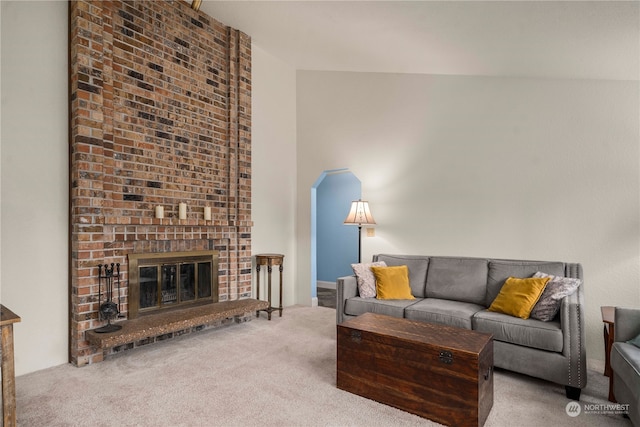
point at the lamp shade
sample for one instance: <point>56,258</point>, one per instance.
<point>359,214</point>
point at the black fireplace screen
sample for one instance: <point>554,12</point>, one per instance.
<point>166,280</point>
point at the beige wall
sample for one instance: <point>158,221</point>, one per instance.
<point>274,165</point>
<point>34,196</point>
<point>479,166</point>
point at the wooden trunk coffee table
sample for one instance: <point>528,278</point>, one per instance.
<point>438,372</point>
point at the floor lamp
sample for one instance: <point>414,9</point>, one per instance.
<point>359,215</point>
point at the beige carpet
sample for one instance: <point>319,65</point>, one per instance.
<point>277,373</point>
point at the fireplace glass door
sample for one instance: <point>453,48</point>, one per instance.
<point>148,287</point>
<point>204,277</point>
<point>178,283</point>
<point>163,281</point>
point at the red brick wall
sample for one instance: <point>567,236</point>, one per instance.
<point>160,114</point>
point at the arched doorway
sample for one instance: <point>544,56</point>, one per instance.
<point>334,246</point>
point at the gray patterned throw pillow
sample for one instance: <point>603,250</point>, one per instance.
<point>549,303</point>
<point>366,279</point>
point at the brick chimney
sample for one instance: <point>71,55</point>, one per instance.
<point>160,109</point>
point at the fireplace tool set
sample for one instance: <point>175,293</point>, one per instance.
<point>108,309</point>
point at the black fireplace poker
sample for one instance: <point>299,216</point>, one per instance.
<point>108,309</point>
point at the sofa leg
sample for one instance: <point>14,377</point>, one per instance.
<point>573,393</point>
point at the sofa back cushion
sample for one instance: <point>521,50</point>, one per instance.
<point>457,279</point>
<point>501,270</point>
<point>417,265</point>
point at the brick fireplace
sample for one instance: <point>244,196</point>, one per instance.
<point>160,114</point>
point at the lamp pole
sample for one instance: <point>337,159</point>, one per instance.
<point>359,243</point>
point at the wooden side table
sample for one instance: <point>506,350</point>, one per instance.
<point>608,317</point>
<point>7,319</point>
<point>269,260</point>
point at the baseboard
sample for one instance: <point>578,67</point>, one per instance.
<point>326,285</point>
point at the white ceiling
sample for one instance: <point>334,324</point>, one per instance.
<point>554,39</point>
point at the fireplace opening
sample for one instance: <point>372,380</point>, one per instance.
<point>162,281</point>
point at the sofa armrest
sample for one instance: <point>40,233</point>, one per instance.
<point>572,320</point>
<point>346,287</point>
<point>627,323</point>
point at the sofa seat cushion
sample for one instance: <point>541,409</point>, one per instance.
<point>417,265</point>
<point>529,332</point>
<point>391,307</point>
<point>625,361</point>
<point>457,279</point>
<point>435,310</point>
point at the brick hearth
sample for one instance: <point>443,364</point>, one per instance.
<point>160,114</point>
<point>146,329</point>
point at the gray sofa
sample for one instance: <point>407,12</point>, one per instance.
<point>625,361</point>
<point>457,292</point>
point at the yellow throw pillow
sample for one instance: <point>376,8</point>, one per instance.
<point>392,282</point>
<point>518,296</point>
